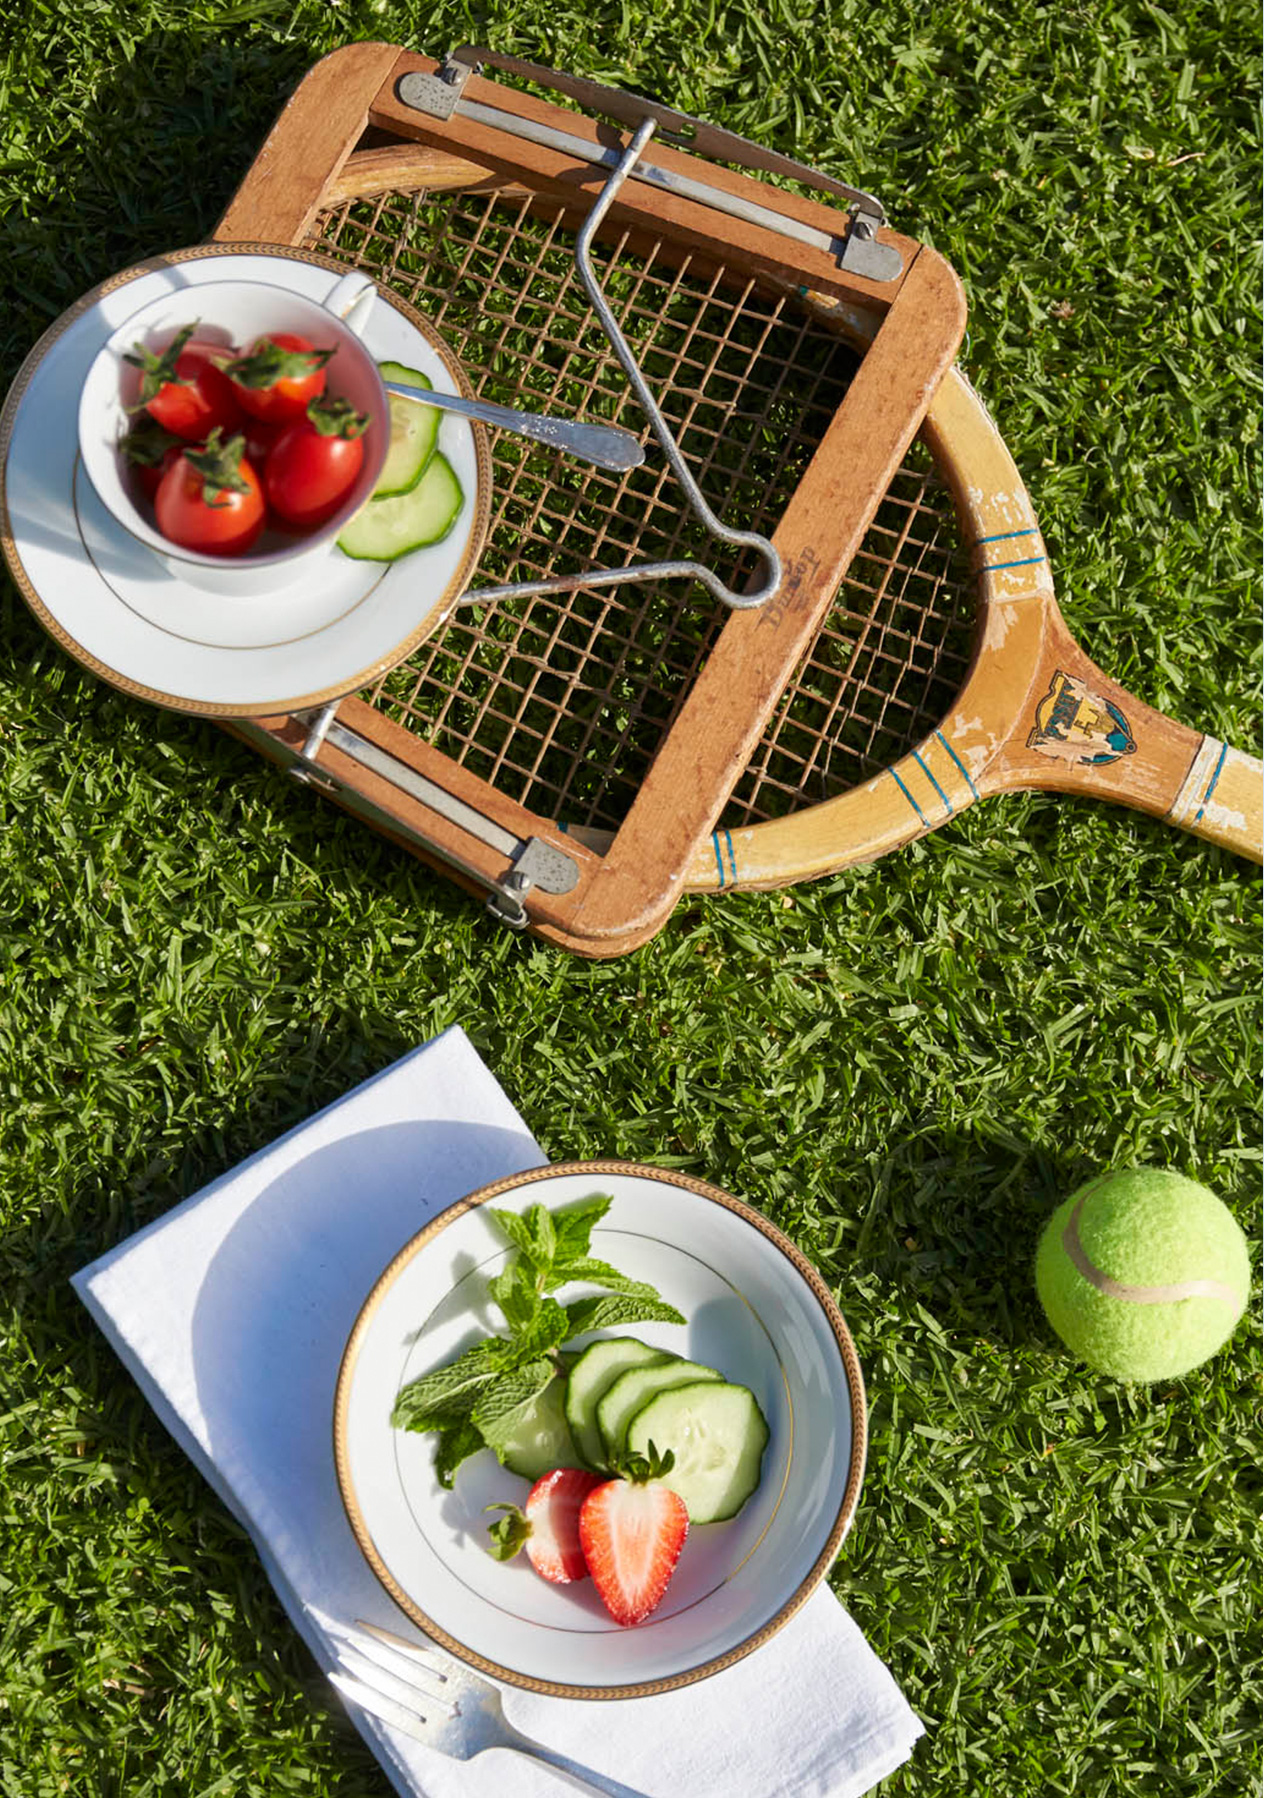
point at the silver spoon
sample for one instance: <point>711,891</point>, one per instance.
<point>608,446</point>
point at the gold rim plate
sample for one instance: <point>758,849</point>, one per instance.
<point>104,598</point>
<point>755,1308</point>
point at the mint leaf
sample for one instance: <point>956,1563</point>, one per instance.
<point>500,1412</point>
<point>457,1442</point>
<point>600,1273</point>
<point>574,1226</point>
<point>516,1228</point>
<point>543,1235</point>
<point>422,1419</point>
<point>487,1396</point>
<point>451,1391</point>
<point>514,1291</point>
<point>603,1313</point>
<point>532,1234</point>
<point>547,1330</point>
<point>508,1394</point>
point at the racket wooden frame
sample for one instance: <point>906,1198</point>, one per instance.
<point>1004,733</point>
<point>1034,712</point>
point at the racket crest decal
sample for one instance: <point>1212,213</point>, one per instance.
<point>1074,724</point>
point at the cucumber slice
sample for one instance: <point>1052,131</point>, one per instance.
<point>535,1438</point>
<point>591,1377</point>
<point>717,1433</point>
<point>621,1402</point>
<point>414,434</point>
<point>385,529</point>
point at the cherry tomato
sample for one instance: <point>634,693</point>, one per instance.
<point>150,479</point>
<point>279,376</point>
<point>259,440</point>
<point>315,463</point>
<point>210,499</point>
<point>150,451</point>
<point>184,389</point>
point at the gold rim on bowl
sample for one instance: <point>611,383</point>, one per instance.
<point>847,1353</point>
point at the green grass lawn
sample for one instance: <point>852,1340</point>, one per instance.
<point>904,1066</point>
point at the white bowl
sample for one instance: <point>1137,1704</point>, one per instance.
<point>234,312</point>
<point>756,1309</point>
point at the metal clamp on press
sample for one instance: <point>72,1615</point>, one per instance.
<point>441,95</point>
<point>533,863</point>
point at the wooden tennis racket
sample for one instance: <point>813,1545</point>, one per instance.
<point>1032,710</point>
<point>588,756</point>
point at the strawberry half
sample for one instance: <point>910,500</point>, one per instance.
<point>548,1525</point>
<point>632,1530</point>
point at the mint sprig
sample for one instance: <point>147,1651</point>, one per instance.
<point>471,1402</point>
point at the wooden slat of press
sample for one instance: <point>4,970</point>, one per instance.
<point>387,167</point>
<point>756,653</point>
<point>315,133</point>
<point>726,711</point>
<point>751,247</point>
<point>410,167</point>
<point>727,708</point>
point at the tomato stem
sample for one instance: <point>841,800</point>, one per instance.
<point>219,465</point>
<point>158,370</point>
<point>336,417</point>
<point>267,363</point>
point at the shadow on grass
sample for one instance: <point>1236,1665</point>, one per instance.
<point>146,160</point>
<point>951,1225</point>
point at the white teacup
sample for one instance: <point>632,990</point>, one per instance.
<point>235,313</point>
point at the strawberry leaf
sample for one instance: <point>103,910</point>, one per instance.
<point>638,1470</point>
<point>509,1533</point>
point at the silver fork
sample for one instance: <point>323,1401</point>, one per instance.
<point>434,1698</point>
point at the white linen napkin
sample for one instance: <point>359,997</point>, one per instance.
<point>232,1312</point>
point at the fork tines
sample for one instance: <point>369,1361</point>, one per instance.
<point>395,1668</point>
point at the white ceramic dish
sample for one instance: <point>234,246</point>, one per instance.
<point>105,597</point>
<point>756,1309</point>
<point>234,313</point>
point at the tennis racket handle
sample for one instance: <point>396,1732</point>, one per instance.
<point>1222,799</point>
<point>1080,732</point>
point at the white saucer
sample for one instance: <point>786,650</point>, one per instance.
<point>114,607</point>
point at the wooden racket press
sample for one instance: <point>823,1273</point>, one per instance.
<point>569,753</point>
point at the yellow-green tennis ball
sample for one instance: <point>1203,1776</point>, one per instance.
<point>1143,1274</point>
